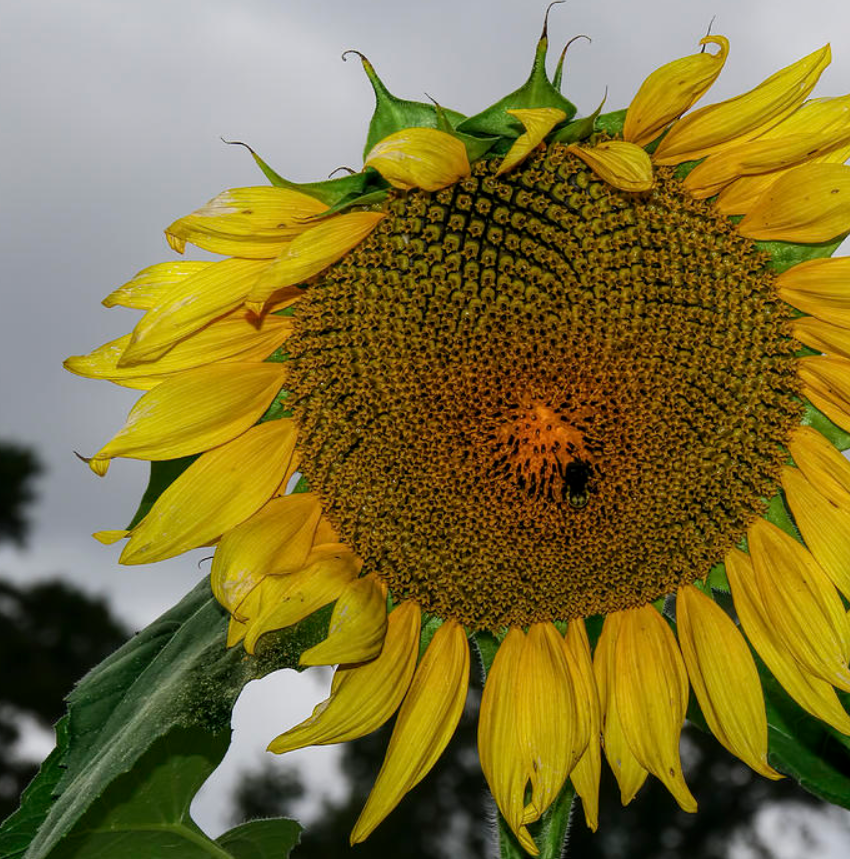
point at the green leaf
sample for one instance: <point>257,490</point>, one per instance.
<point>163,474</point>
<point>784,255</point>
<point>175,674</point>
<point>262,839</point>
<point>394,114</point>
<point>537,91</point>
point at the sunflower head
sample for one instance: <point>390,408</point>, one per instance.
<point>530,370</point>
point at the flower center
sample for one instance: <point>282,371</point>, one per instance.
<point>532,397</point>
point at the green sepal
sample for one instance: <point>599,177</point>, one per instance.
<point>611,123</point>
<point>395,114</point>
<point>329,191</point>
<point>537,91</point>
<point>549,833</point>
<point>777,514</point>
<point>163,474</point>
<point>557,78</point>
<point>717,579</point>
<point>816,419</point>
<point>476,147</point>
<point>579,129</point>
<point>430,624</point>
<point>369,199</point>
<point>785,255</point>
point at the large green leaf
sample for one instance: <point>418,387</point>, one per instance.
<point>177,673</point>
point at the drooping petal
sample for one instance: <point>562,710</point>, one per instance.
<point>825,468</point>
<point>810,203</point>
<point>312,252</point>
<point>279,534</point>
<point>287,599</point>
<point>547,723</point>
<point>236,628</point>
<point>357,628</point>
<point>108,537</point>
<point>629,773</point>
<point>502,759</point>
<point>254,223</point>
<point>651,687</point>
<point>585,776</point>
<point>820,287</point>
<point>744,117</point>
<point>724,678</point>
<point>538,122</point>
<point>801,603</point>
<point>424,158</point>
<point>622,165</point>
<point>363,696</point>
<point>239,336</point>
<point>426,721</point>
<point>148,287</point>
<point>217,492</point>
<point>671,90</point>
<point>825,526</point>
<point>191,304</point>
<point>814,695</point>
<point>826,382</point>
<point>194,411</point>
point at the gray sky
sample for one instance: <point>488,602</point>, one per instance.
<point>111,120</point>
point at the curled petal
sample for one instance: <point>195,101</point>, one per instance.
<point>801,603</point>
<point>363,696</point>
<point>651,687</point>
<point>419,158</point>
<point>276,539</point>
<point>107,538</point>
<point>148,287</point>
<point>808,204</point>
<point>426,721</point>
<point>671,90</point>
<point>357,628</point>
<point>814,695</point>
<point>744,117</point>
<point>502,759</point>
<point>622,165</point>
<point>217,492</point>
<point>724,678</point>
<point>538,122</point>
<point>254,223</point>
<point>825,468</point>
<point>312,252</point>
<point>224,400</point>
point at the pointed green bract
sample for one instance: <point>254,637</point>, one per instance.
<point>815,418</point>
<point>611,123</point>
<point>579,129</point>
<point>785,255</point>
<point>476,147</point>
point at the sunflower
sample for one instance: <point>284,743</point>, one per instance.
<point>556,384</point>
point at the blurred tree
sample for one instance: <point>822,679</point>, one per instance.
<point>51,633</point>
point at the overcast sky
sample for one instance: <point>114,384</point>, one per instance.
<point>111,117</point>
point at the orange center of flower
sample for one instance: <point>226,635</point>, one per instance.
<point>532,396</point>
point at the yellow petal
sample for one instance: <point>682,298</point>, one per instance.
<point>826,382</point>
<point>254,223</point>
<point>629,773</point>
<point>363,696</point>
<point>238,336</point>
<point>502,759</point>
<point>744,117</point>
<point>585,775</point>
<point>814,695</point>
<point>195,411</point>
<point>279,533</point>
<point>724,678</point>
<point>538,122</point>
<point>312,252</point>
<point>149,286</point>
<point>426,721</point>
<point>810,203</point>
<point>823,465</point>
<point>822,336</point>
<point>217,492</point>
<point>801,603</point>
<point>820,287</point>
<point>357,628</point>
<point>419,158</point>
<point>191,304</point>
<point>550,735</point>
<point>824,525</point>
<point>288,599</point>
<point>651,687</point>
<point>110,537</point>
<point>620,164</point>
<point>236,628</point>
<point>671,90</point>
